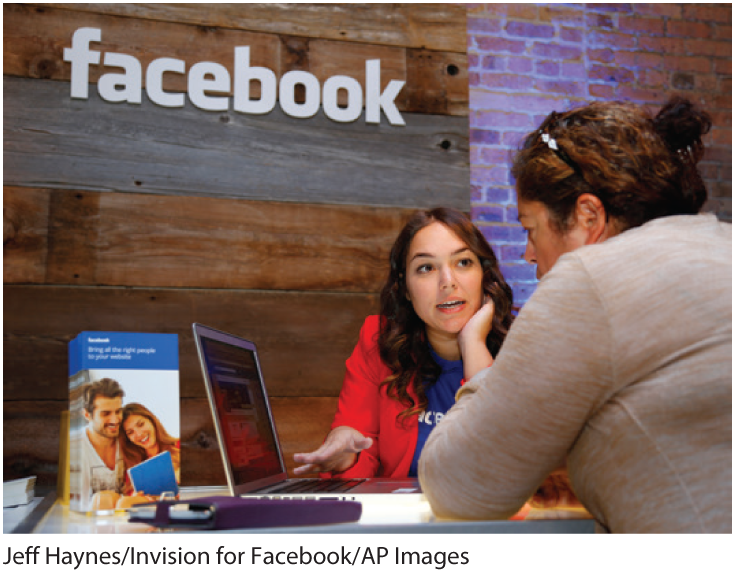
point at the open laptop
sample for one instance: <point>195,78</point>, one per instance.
<point>247,437</point>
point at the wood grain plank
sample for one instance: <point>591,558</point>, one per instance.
<point>31,437</point>
<point>431,26</point>
<point>34,45</point>
<point>435,83</point>
<point>74,233</point>
<point>53,141</point>
<point>25,230</point>
<point>303,338</point>
<point>140,240</point>
<point>34,40</point>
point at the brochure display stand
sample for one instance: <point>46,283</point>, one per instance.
<point>124,410</point>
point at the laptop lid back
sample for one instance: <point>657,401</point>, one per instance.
<point>241,412</point>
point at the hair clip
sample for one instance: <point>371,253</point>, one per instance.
<point>550,141</point>
<point>554,146</point>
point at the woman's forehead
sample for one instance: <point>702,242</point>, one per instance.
<point>435,236</point>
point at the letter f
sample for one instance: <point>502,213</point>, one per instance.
<point>80,57</point>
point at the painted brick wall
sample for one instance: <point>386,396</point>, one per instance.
<point>526,60</point>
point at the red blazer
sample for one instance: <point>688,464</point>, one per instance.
<point>365,406</point>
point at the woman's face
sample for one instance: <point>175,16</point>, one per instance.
<point>444,281</point>
<point>140,431</point>
<point>544,243</point>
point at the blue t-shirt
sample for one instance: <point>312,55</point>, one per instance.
<point>441,398</point>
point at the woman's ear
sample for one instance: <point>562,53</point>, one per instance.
<point>591,218</point>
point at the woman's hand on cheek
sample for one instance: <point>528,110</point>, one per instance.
<point>478,326</point>
<point>472,340</point>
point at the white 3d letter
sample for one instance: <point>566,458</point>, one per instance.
<point>374,100</point>
<point>154,82</point>
<point>288,102</point>
<point>354,99</point>
<point>243,75</point>
<point>199,84</point>
<point>131,81</point>
<point>80,57</point>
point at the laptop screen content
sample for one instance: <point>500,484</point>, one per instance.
<point>242,411</point>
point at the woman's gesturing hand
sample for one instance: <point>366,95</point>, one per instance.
<point>338,452</point>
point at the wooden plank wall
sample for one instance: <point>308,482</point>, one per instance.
<point>144,218</point>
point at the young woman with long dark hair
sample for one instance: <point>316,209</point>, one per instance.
<point>444,312</point>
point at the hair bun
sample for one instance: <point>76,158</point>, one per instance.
<point>680,124</point>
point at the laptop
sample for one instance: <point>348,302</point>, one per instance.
<point>246,433</point>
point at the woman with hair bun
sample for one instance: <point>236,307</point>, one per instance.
<point>619,367</point>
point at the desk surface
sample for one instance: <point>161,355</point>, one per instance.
<point>409,515</point>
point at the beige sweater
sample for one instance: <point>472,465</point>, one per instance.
<point>620,364</point>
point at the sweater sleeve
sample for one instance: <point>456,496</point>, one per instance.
<point>514,423</point>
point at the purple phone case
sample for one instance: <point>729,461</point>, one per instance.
<point>241,513</point>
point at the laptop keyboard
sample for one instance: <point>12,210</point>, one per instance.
<point>317,486</point>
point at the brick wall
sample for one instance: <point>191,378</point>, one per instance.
<point>526,60</point>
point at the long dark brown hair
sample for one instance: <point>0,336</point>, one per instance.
<point>402,340</point>
<point>640,166</point>
<point>132,454</point>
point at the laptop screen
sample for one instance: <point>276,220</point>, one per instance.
<point>241,409</point>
